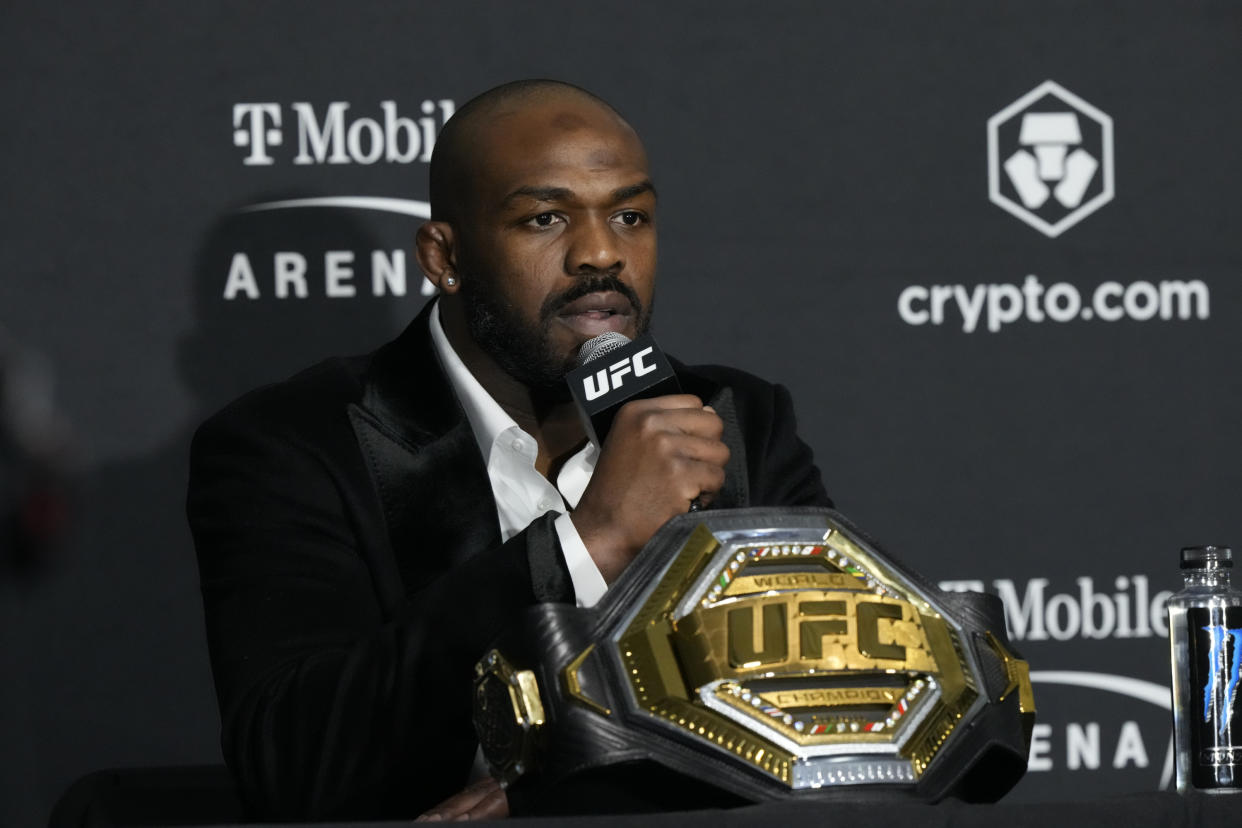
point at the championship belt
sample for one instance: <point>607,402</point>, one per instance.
<point>774,653</point>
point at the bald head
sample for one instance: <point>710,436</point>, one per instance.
<point>462,145</point>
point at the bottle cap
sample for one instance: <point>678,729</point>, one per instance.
<point>1206,557</point>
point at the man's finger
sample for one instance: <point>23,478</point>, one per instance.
<point>686,420</point>
<point>667,401</point>
<point>493,806</point>
<point>703,449</point>
<point>462,802</point>
<point>700,478</point>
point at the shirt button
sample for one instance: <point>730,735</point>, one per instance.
<point>518,445</point>
<point>545,504</point>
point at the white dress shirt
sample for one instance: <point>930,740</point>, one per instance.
<point>523,494</point>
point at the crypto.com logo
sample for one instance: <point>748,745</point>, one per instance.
<point>1057,167</point>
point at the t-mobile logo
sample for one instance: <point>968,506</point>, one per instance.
<point>1058,158</point>
<point>339,134</point>
<point>256,126</point>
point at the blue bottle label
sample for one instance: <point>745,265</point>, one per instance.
<point>1215,707</point>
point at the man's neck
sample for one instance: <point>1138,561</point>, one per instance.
<point>552,419</point>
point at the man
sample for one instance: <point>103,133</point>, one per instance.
<point>366,528</point>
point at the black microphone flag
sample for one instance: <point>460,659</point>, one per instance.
<point>614,370</point>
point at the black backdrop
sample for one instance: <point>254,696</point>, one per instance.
<point>827,220</point>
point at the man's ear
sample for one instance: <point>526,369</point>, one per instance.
<point>435,247</point>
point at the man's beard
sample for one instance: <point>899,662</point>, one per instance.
<point>526,352</point>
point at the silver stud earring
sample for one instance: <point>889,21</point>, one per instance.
<point>450,281</point>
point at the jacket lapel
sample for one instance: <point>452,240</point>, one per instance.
<point>423,458</point>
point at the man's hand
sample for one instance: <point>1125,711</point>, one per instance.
<point>484,799</point>
<point>660,455</point>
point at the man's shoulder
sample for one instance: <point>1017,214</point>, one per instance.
<point>310,402</point>
<point>724,375</point>
<point>707,380</point>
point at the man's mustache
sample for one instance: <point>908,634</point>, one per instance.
<point>597,284</point>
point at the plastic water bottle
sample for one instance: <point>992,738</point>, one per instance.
<point>1205,639</point>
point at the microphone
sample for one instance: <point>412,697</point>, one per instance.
<point>612,370</point>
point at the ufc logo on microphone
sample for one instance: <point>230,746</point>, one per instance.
<point>611,378</point>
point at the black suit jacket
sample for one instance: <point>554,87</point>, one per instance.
<point>352,571</point>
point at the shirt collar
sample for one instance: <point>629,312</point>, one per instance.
<point>487,419</point>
